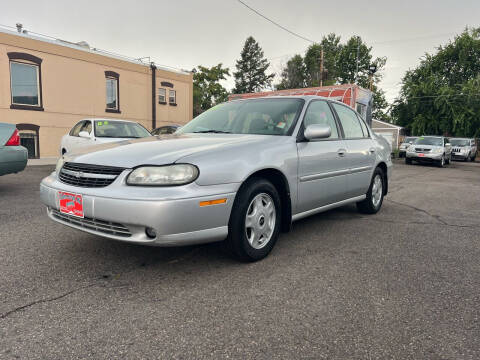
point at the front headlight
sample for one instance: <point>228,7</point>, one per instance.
<point>60,163</point>
<point>177,174</point>
<point>438,151</point>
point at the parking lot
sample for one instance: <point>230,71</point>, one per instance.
<point>402,284</point>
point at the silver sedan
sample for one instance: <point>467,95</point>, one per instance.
<point>241,172</point>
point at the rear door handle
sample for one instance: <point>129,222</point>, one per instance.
<point>341,152</point>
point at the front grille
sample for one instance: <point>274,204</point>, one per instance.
<point>101,226</point>
<point>87,175</point>
<point>456,150</point>
<point>422,150</point>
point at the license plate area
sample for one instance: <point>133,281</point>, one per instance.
<point>70,204</point>
<point>421,154</point>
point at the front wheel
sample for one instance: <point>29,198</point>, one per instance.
<point>254,224</point>
<point>373,201</point>
<point>408,161</point>
<point>441,163</point>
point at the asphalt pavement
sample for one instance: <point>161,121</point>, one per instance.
<point>402,284</point>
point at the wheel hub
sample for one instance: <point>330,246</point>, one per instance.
<point>260,220</point>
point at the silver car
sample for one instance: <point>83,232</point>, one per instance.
<point>13,156</point>
<point>241,172</point>
<point>430,149</point>
<point>463,149</point>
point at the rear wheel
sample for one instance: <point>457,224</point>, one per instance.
<point>373,201</point>
<point>254,224</point>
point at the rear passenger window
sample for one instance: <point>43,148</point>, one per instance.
<point>350,123</point>
<point>319,112</point>
<point>364,127</point>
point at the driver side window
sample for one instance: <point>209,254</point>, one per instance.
<point>319,112</point>
<point>76,129</point>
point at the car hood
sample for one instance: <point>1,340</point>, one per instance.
<point>159,150</point>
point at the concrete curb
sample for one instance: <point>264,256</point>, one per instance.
<point>42,161</point>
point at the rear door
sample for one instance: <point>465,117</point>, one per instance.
<point>322,166</point>
<point>360,150</point>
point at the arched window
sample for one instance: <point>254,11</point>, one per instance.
<point>25,81</point>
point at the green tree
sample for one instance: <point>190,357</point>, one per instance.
<point>350,70</point>
<point>442,95</point>
<point>331,50</point>
<point>251,74</point>
<point>294,74</point>
<point>207,90</point>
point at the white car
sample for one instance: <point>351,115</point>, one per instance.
<point>88,132</point>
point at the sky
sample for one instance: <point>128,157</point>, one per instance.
<point>188,33</point>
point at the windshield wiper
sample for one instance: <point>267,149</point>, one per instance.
<point>212,131</point>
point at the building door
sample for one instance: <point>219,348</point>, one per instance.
<point>29,141</point>
<point>29,138</point>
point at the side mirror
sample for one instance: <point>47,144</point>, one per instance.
<point>317,131</point>
<point>84,134</point>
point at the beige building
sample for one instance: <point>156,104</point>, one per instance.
<point>48,85</point>
<point>391,132</point>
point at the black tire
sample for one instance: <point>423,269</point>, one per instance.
<point>441,163</point>
<point>237,243</point>
<point>368,206</point>
<point>408,161</point>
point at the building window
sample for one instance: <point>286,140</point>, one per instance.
<point>162,96</point>
<point>113,92</point>
<point>25,81</point>
<point>172,97</point>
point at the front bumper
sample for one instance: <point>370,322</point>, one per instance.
<point>459,156</point>
<point>123,212</point>
<point>427,157</point>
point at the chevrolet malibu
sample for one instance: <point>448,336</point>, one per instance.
<point>240,172</point>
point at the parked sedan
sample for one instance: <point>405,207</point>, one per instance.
<point>13,157</point>
<point>463,149</point>
<point>240,172</point>
<point>164,130</point>
<point>430,149</point>
<point>407,141</point>
<point>90,132</point>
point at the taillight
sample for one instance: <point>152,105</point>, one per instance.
<point>14,139</point>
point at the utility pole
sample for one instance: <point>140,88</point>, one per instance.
<point>358,55</point>
<point>321,66</point>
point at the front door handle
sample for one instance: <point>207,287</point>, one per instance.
<point>341,152</point>
<point>372,150</point>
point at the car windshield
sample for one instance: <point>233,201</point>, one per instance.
<point>119,129</point>
<point>256,116</point>
<point>460,142</point>
<point>435,141</point>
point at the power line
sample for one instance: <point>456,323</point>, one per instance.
<point>275,23</point>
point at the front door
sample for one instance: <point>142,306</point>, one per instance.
<point>322,164</point>
<point>360,150</point>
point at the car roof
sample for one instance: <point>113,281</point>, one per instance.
<point>107,119</point>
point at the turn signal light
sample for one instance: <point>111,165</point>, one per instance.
<point>14,139</point>
<point>213,202</point>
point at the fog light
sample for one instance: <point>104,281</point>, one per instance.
<point>151,233</point>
